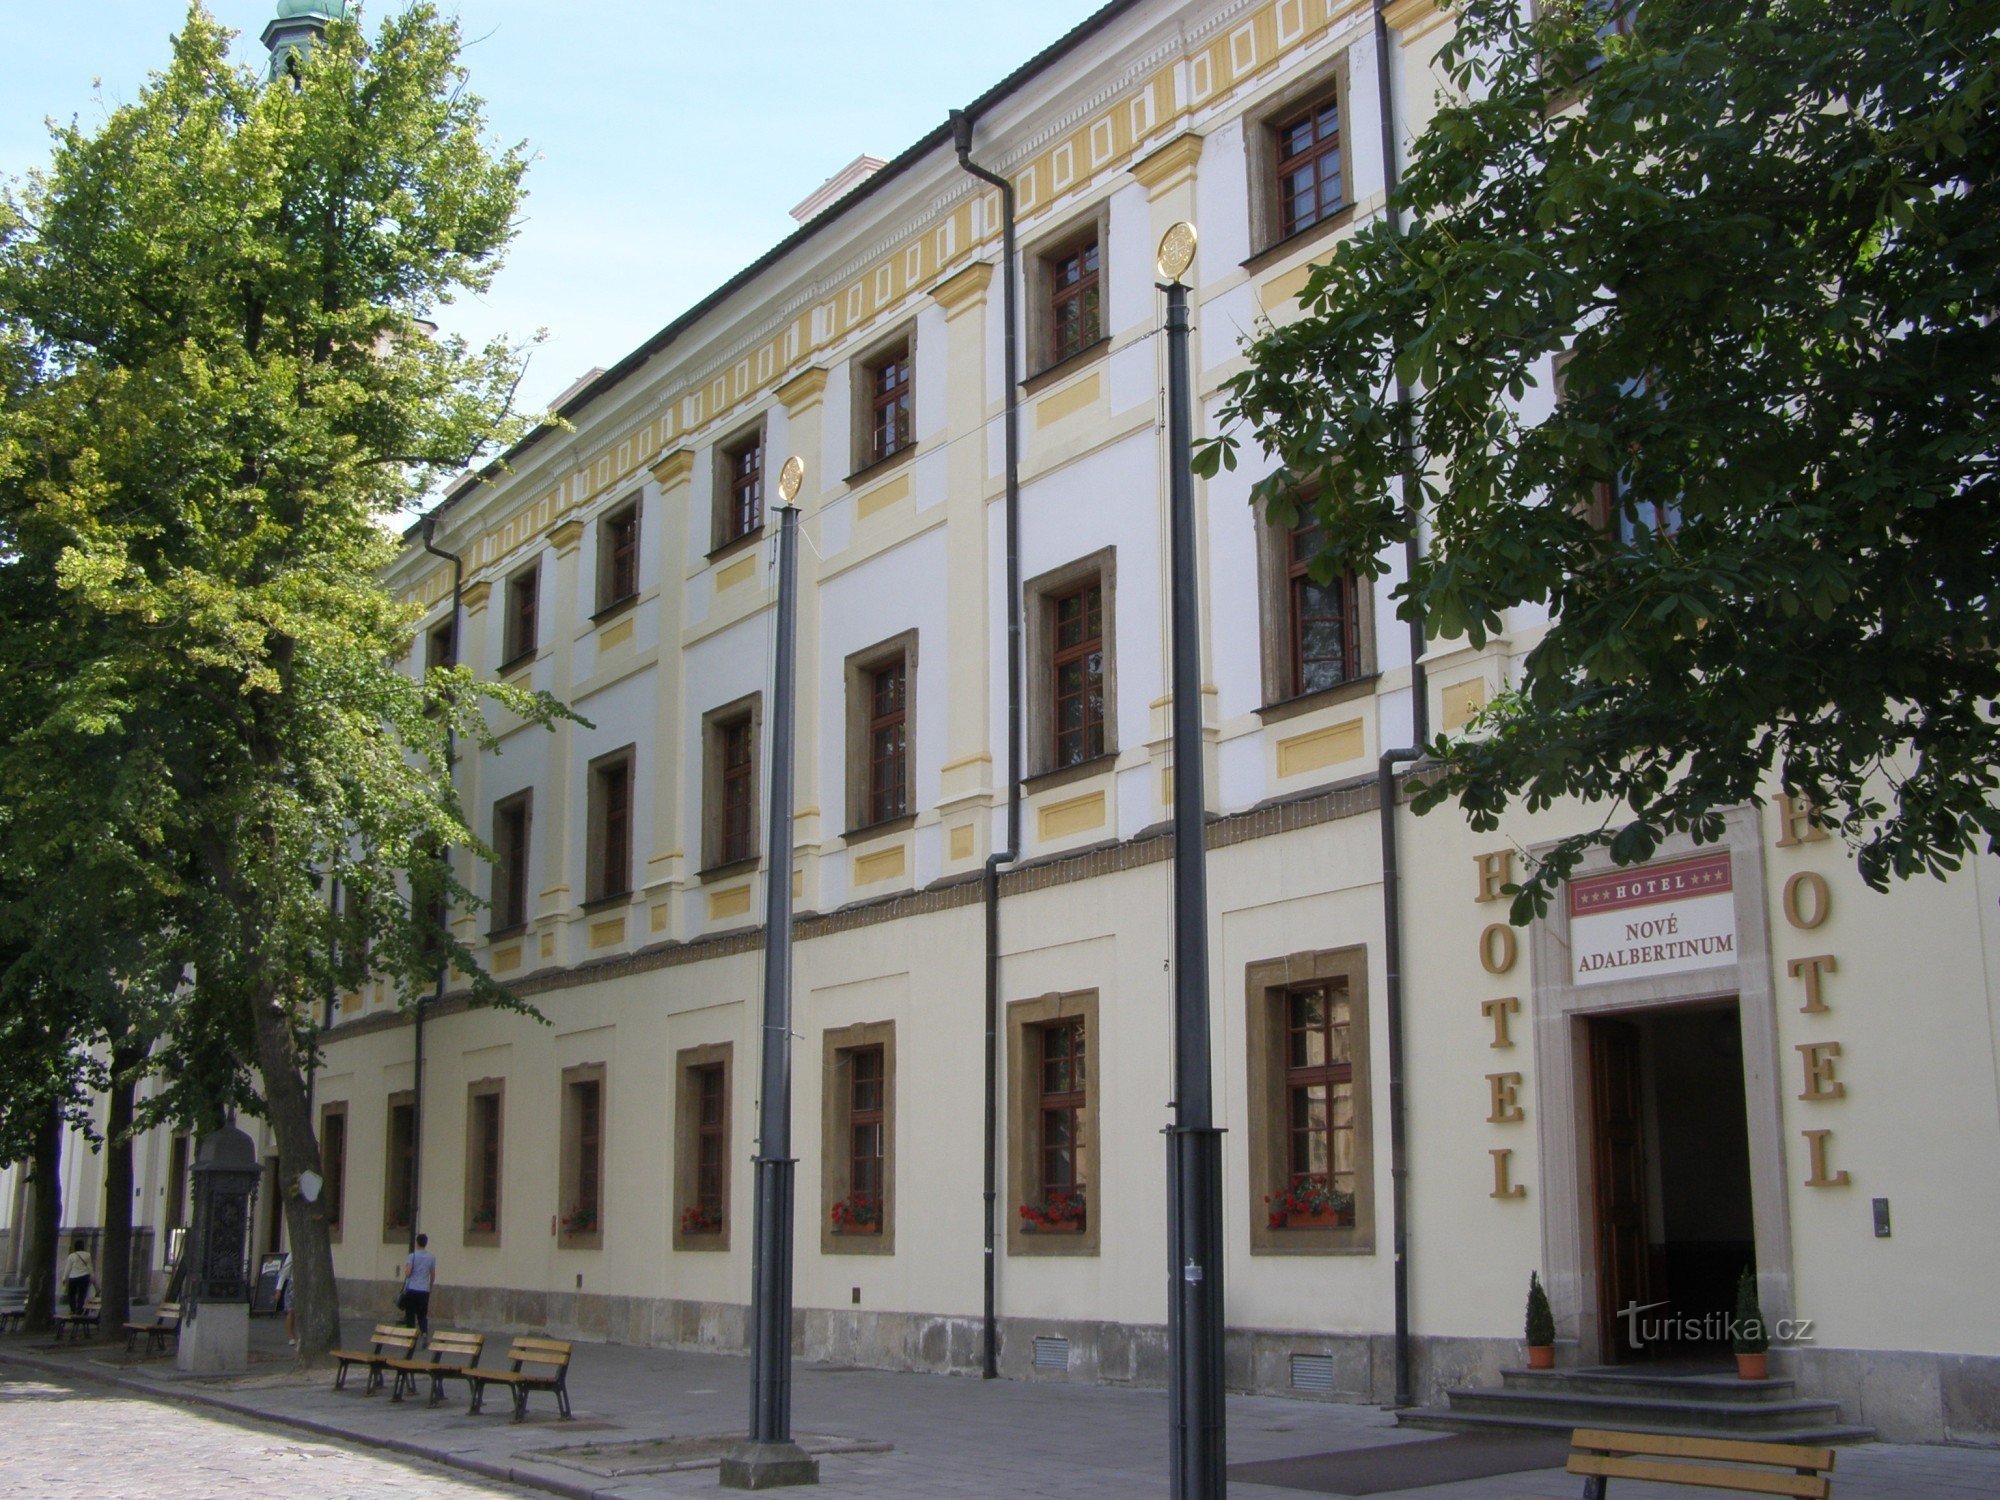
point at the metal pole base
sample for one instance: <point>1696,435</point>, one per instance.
<point>1200,1438</point>
<point>751,1465</point>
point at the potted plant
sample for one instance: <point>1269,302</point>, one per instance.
<point>1309,1202</point>
<point>697,1219</point>
<point>1747,1334</point>
<point>858,1213</point>
<point>485,1220</point>
<point>1062,1213</point>
<point>580,1220</point>
<point>1541,1326</point>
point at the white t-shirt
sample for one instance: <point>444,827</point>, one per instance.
<point>77,1265</point>
<point>423,1266</point>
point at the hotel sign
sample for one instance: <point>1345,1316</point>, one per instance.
<point>1661,919</point>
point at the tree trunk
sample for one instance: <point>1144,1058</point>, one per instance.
<point>318,1301</point>
<point>46,1174</point>
<point>114,1255</point>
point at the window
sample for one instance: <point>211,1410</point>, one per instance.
<point>1611,508</point>
<point>609,875</point>
<point>618,557</point>
<point>1076,630</point>
<point>580,1217</point>
<point>883,403</point>
<point>482,1162</point>
<point>1071,684</point>
<point>729,784</point>
<point>739,507</point>
<point>400,1168</point>
<point>1076,319</point>
<point>880,732</point>
<point>333,1165</point>
<point>511,820</point>
<point>701,1148</point>
<point>858,1129</point>
<point>1317,636</point>
<point>1311,1177</point>
<point>1053,1135</point>
<point>1300,176</point>
<point>523,601</point>
<point>430,898</point>
<point>441,646</point>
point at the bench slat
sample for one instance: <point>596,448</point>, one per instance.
<point>1727,1450</point>
<point>1666,1471</point>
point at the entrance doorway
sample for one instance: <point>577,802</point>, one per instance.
<point>1670,1158</point>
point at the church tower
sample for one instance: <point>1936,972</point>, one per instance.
<point>298,24</point>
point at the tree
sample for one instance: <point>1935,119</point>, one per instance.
<point>1761,510</point>
<point>224,387</point>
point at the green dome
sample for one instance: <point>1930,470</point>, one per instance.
<point>325,10</point>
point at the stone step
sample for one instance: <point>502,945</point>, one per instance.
<point>1581,1409</point>
<point>1445,1419</point>
<point>1717,1387</point>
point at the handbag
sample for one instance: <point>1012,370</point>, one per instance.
<point>403,1300</point>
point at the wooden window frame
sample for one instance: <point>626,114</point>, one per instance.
<point>523,627</point>
<point>397,1231</point>
<point>899,347</point>
<point>618,541</point>
<point>513,844</point>
<point>1041,655</point>
<point>1268,986</point>
<point>1047,360</point>
<point>606,878</point>
<point>482,1151</point>
<point>1078,745</point>
<point>863,815</point>
<point>738,493</point>
<point>717,858</point>
<point>689,1062</point>
<point>1278,582</point>
<point>574,1177</point>
<point>1026,1021</point>
<point>1269,232</point>
<point>333,1168</point>
<point>838,1048</point>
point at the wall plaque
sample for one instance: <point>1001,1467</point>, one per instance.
<point>1657,919</point>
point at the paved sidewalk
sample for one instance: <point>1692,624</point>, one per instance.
<point>950,1437</point>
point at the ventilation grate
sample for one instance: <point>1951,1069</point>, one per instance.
<point>1312,1372</point>
<point>1052,1353</point>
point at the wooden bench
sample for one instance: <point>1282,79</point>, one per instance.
<point>551,1355</point>
<point>1745,1468</point>
<point>166,1325</point>
<point>445,1346</point>
<point>75,1325</point>
<point>389,1341</point>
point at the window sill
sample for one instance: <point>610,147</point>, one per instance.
<point>883,829</point>
<point>882,465</point>
<point>1083,770</point>
<point>1271,254</point>
<point>516,662</point>
<point>482,1239</point>
<point>702,1239</point>
<point>614,609</point>
<point>724,871</point>
<point>1305,703</point>
<point>1069,364</point>
<point>395,1234</point>
<point>736,544</point>
<point>605,903</point>
<point>592,1241</point>
<point>501,934</point>
<point>1311,1241</point>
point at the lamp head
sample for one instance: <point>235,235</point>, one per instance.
<point>1176,252</point>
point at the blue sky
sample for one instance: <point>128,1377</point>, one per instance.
<point>672,137</point>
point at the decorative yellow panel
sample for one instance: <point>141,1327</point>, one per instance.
<point>1068,401</point>
<point>1461,700</point>
<point>882,497</point>
<point>607,933</point>
<point>961,841</point>
<point>733,902</point>
<point>615,634</point>
<point>548,945</point>
<point>507,958</point>
<point>1321,748</point>
<point>1058,820</point>
<point>744,568</point>
<point>882,864</point>
<point>662,913</point>
<point>1285,286</point>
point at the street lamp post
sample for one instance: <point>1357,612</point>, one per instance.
<point>769,1458</point>
<point>1194,1144</point>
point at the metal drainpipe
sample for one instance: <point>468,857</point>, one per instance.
<point>961,129</point>
<point>444,963</point>
<point>1385,782</point>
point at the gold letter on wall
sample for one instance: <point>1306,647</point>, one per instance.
<point>1498,1011</point>
<point>1503,1170</point>
<point>1820,1082</point>
<point>1506,1099</point>
<point>1495,870</point>
<point>1816,1152</point>
<point>1496,948</point>
<point>1796,824</point>
<point>1810,970</point>
<point>1820,897</point>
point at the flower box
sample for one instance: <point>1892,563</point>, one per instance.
<point>857,1213</point>
<point>1310,1202</point>
<point>1063,1213</point>
<point>699,1220</point>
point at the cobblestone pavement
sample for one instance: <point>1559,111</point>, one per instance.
<point>65,1437</point>
<point>952,1438</point>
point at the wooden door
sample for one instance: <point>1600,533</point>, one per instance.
<point>1619,1160</point>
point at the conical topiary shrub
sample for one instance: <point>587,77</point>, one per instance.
<point>1541,1326</point>
<point>1747,1335</point>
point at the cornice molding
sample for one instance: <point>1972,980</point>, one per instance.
<point>1170,166</point>
<point>963,288</point>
